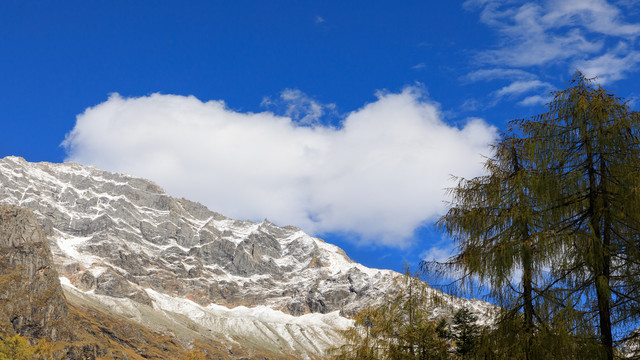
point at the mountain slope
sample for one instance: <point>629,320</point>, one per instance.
<point>121,243</point>
<point>33,305</point>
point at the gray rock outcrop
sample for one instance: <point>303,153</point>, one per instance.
<point>117,235</point>
<point>31,300</point>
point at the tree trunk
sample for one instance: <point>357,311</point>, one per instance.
<point>604,279</point>
<point>527,287</point>
<point>601,267</point>
<point>527,271</point>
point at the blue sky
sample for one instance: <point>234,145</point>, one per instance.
<point>345,118</point>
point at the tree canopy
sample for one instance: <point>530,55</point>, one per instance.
<point>552,229</point>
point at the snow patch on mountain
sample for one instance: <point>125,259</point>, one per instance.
<point>309,335</point>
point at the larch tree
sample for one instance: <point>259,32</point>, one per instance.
<point>560,207</point>
<point>492,219</point>
<point>400,327</point>
<point>587,150</point>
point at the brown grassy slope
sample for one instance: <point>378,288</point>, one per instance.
<point>121,336</point>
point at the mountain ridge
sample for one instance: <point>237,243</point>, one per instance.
<point>124,243</point>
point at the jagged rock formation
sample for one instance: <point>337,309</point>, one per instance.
<point>117,235</point>
<point>31,300</point>
<point>32,304</point>
<point>121,243</point>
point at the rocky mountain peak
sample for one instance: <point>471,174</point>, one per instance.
<point>117,235</point>
<point>124,243</point>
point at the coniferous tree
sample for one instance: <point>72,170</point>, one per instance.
<point>586,151</point>
<point>442,329</point>
<point>560,205</point>
<point>466,333</point>
<point>493,219</point>
<point>16,347</point>
<point>398,328</point>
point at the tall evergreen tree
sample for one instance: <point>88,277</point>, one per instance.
<point>466,333</point>
<point>586,152</point>
<point>561,205</point>
<point>493,219</point>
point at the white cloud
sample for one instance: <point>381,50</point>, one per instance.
<point>530,39</point>
<point>596,37</point>
<point>535,100</point>
<point>471,105</point>
<point>595,15</point>
<point>438,253</point>
<point>499,73</point>
<point>534,34</point>
<point>419,66</point>
<point>298,106</point>
<point>522,87</point>
<point>379,176</point>
<point>611,66</point>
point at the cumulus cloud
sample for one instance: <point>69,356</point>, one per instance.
<point>379,176</point>
<point>300,107</point>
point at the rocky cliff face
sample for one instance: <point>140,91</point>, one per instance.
<point>31,300</point>
<point>124,244</point>
<point>32,304</point>
<point>117,235</point>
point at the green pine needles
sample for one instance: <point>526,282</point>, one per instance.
<point>553,229</point>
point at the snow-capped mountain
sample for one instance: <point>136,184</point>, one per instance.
<point>123,244</point>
